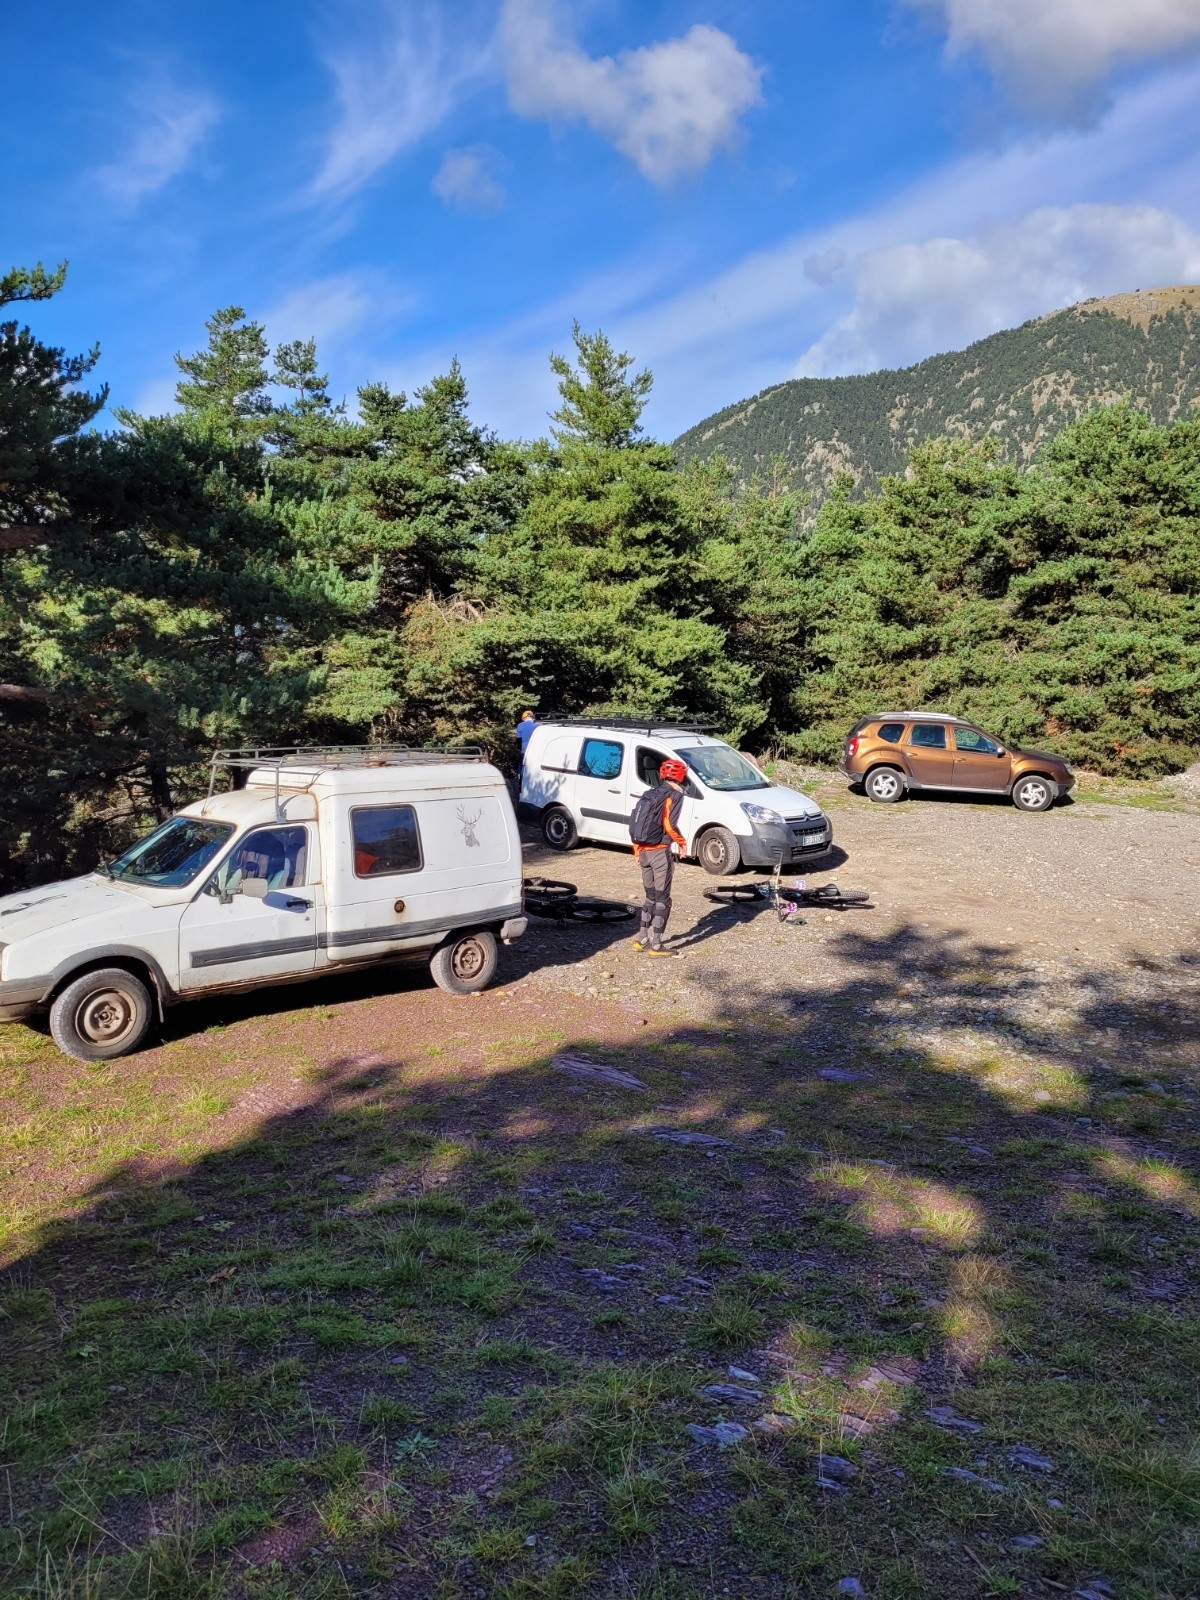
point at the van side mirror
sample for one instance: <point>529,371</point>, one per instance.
<point>255,888</point>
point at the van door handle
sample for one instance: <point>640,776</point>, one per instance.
<point>298,905</point>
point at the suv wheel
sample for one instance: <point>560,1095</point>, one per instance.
<point>558,829</point>
<point>718,852</point>
<point>1033,793</point>
<point>884,785</point>
<point>465,965</point>
<point>101,1015</point>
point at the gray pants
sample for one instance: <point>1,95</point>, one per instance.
<point>658,869</point>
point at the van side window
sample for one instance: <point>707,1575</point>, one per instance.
<point>277,855</point>
<point>601,758</point>
<point>648,763</point>
<point>893,732</point>
<point>385,840</point>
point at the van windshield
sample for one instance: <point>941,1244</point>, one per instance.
<point>718,767</point>
<point>172,855</point>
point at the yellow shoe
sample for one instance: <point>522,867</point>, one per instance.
<point>657,950</point>
<point>639,945</point>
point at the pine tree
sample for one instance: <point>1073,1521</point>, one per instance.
<point>600,405</point>
<point>296,369</point>
<point>228,379</point>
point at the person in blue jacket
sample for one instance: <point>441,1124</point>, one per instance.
<point>525,729</point>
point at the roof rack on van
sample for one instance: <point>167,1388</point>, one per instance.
<point>331,757</point>
<point>681,724</point>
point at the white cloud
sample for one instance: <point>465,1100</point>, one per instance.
<point>668,106</point>
<point>168,126</point>
<point>341,312</point>
<point>914,299</point>
<point>467,181</point>
<point>398,79</point>
<point>1050,53</point>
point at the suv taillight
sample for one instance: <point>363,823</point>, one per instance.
<point>851,747</point>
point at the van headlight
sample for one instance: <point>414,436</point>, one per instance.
<point>763,816</point>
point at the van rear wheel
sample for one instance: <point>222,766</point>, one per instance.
<point>101,1015</point>
<point>465,965</point>
<point>558,828</point>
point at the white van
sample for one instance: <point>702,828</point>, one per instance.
<point>324,860</point>
<point>582,781</point>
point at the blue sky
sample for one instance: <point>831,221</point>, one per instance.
<point>737,192</point>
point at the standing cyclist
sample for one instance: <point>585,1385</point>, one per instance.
<point>654,829</point>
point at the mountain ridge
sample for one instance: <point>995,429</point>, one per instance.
<point>1021,385</point>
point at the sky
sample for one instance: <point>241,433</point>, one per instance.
<point>737,191</point>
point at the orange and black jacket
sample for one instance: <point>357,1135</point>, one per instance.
<point>672,800</point>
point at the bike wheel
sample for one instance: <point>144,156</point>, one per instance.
<point>832,894</point>
<point>732,894</point>
<point>588,909</point>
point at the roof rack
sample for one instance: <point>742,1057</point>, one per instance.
<point>331,757</point>
<point>683,724</point>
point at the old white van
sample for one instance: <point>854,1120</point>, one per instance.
<point>325,859</point>
<point>582,781</point>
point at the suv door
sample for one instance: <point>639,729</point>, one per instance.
<point>930,759</point>
<point>600,789</point>
<point>260,914</point>
<point>980,762</point>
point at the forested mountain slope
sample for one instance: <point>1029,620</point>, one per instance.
<point>1023,386</point>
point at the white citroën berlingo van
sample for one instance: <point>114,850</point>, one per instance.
<point>327,859</point>
<point>582,781</point>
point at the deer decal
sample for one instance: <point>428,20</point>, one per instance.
<point>468,827</point>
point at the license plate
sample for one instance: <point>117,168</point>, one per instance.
<point>812,838</point>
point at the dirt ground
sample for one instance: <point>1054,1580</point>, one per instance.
<point>1077,903</point>
<point>358,1289</point>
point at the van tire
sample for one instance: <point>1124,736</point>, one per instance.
<point>466,964</point>
<point>884,785</point>
<point>718,852</point>
<point>558,828</point>
<point>101,1015</point>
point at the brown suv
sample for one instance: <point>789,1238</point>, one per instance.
<point>901,750</point>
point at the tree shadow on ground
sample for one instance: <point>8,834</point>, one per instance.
<point>442,1329</point>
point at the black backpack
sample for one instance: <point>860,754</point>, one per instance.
<point>646,820</point>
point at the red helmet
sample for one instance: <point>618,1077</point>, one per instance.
<point>672,771</point>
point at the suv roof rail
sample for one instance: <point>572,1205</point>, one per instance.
<point>656,724</point>
<point>332,758</point>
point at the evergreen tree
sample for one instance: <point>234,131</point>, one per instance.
<point>296,369</point>
<point>228,379</point>
<point>600,405</point>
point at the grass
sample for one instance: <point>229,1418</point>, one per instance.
<point>355,1349</point>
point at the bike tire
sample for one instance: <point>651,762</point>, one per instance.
<point>829,894</point>
<point>588,909</point>
<point>733,894</point>
<point>549,889</point>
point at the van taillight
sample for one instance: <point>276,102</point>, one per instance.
<point>851,747</point>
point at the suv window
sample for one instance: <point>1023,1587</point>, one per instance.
<point>279,856</point>
<point>893,732</point>
<point>928,735</point>
<point>386,840</point>
<point>601,758</point>
<point>972,739</point>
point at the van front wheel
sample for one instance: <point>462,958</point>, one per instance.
<point>558,829</point>
<point>465,965</point>
<point>718,852</point>
<point>101,1015</point>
